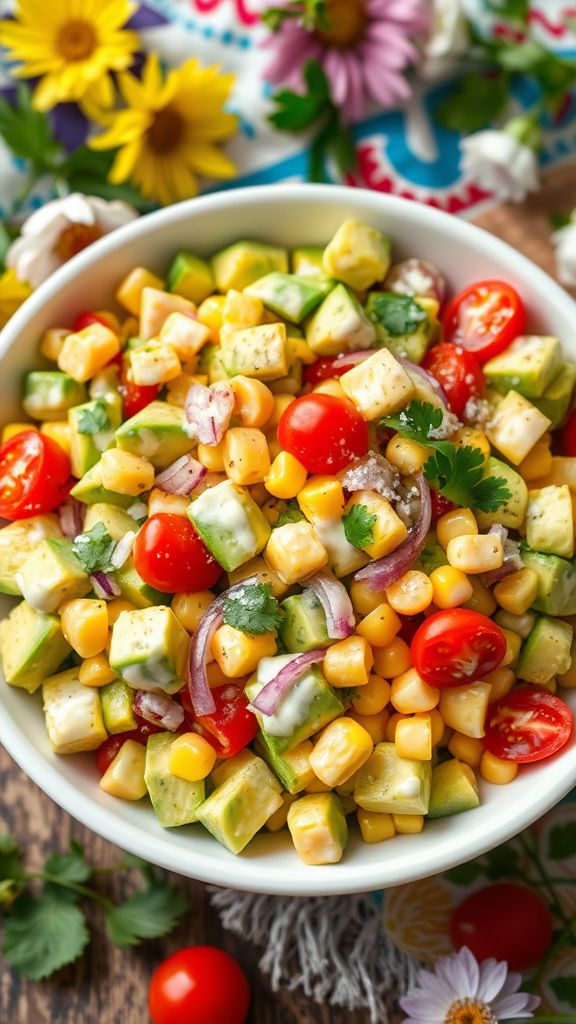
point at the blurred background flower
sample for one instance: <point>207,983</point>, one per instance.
<point>12,295</point>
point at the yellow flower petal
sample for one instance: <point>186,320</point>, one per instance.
<point>210,161</point>
<point>125,162</point>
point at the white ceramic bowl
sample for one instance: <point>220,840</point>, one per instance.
<point>291,215</point>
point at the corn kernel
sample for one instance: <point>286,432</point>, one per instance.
<point>128,329</point>
<point>156,306</point>
<point>295,552</point>
<point>12,429</point>
<point>375,725</point>
<point>258,567</point>
<point>437,726</point>
<point>318,829</point>
<point>472,438</point>
<point>517,592</point>
<point>551,685</point>
<point>408,824</point>
<point>254,401</point>
<point>237,653</point>
<point>189,608</point>
<point>475,554</point>
<point>407,456</point>
<point>184,334</point>
<point>364,599</point>
<point>322,497</point>
<point>390,732</point>
<point>411,594</point>
<point>161,501</point>
<point>538,462</point>
<point>52,341</point>
<point>126,473</point>
<point>496,770</point>
<point>96,671</point>
<point>413,738</point>
<point>340,750</point>
<point>388,531</point>
<point>85,352</point>
<point>348,662</point>
<point>568,679</point>
<point>375,828</point>
<point>501,680</point>
<point>373,697</point>
<point>461,522</point>
<point>154,363</point>
<point>450,587</point>
<point>513,645</point>
<point>211,313</point>
<point>84,624</point>
<point>330,387</point>
<point>466,748</point>
<point>245,454</point>
<point>59,431</point>
<point>317,786</point>
<point>116,607</point>
<point>216,677</point>
<point>409,693</point>
<point>129,293</point>
<point>281,403</point>
<point>279,819</point>
<point>191,757</point>
<point>380,626</point>
<point>392,660</point>
<point>124,777</point>
<point>287,476</point>
<point>212,457</point>
<point>482,599</point>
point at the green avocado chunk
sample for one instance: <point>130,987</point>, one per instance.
<point>291,297</point>
<point>241,806</point>
<point>17,541</point>
<point>307,261</point>
<point>389,784</point>
<point>210,363</point>
<point>117,706</point>
<point>555,401</point>
<point>175,801</point>
<point>403,324</point>
<point>92,427</point>
<point>159,432</point>
<point>52,574</point>
<point>90,490</point>
<point>292,767</point>
<point>190,277</point>
<point>304,626</point>
<point>546,652</point>
<point>48,394</point>
<point>339,325</point>
<point>32,647</point>
<point>527,366</point>
<point>454,789</point>
<point>556,582</point>
<point>230,523</point>
<point>149,649</point>
<point>259,352</point>
<point>244,262</point>
<point>115,519</point>
<point>512,513</point>
<point>133,588</point>
<point>549,524</point>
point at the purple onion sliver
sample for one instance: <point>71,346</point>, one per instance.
<point>71,516</point>
<point>272,693</point>
<point>159,709</point>
<point>181,477</point>
<point>385,571</point>
<point>209,410</point>
<point>415,276</point>
<point>429,378</point>
<point>335,602</point>
<point>105,586</point>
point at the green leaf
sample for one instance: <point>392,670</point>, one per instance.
<point>86,170</point>
<point>501,862</point>
<point>41,935</point>
<point>67,867</point>
<point>148,914</point>
<point>477,100</point>
<point>94,549</point>
<point>7,236</point>
<point>562,841</point>
<point>291,514</point>
<point>253,609</point>
<point>399,314</point>
<point>416,421</point>
<point>491,493</point>
<point>358,524</point>
<point>510,10</point>
<point>560,220</point>
<point>522,57</point>
<point>299,111</point>
<point>92,421</point>
<point>465,874</point>
<point>10,858</point>
<point>27,132</point>
<point>565,989</point>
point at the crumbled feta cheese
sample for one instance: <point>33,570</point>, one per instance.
<point>450,423</point>
<point>372,472</point>
<point>476,411</point>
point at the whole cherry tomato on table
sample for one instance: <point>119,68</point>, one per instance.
<point>170,556</point>
<point>506,921</point>
<point>527,725</point>
<point>34,475</point>
<point>199,985</point>
<point>484,318</point>
<point>458,371</point>
<point>323,432</point>
<point>457,646</point>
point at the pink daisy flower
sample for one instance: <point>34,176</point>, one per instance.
<point>364,51</point>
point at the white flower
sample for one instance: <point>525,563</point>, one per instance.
<point>448,39</point>
<point>60,229</point>
<point>564,242</point>
<point>461,991</point>
<point>498,162</point>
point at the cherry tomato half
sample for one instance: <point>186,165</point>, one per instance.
<point>34,475</point>
<point>135,397</point>
<point>458,371</point>
<point>527,725</point>
<point>108,750</point>
<point>505,921</point>
<point>325,433</point>
<point>170,556</point>
<point>199,985</point>
<point>440,505</point>
<point>484,318</point>
<point>568,435</point>
<point>232,725</point>
<point>457,646</point>
<point>334,366</point>
<point>86,318</point>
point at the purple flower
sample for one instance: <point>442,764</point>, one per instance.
<point>364,51</point>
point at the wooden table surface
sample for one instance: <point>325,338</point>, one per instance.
<point>108,985</point>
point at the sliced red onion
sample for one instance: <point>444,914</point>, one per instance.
<point>427,377</point>
<point>348,359</point>
<point>335,602</point>
<point>71,516</point>
<point>512,561</point>
<point>123,549</point>
<point>272,693</point>
<point>416,277</point>
<point>385,571</point>
<point>182,476</point>
<point>159,709</point>
<point>105,586</point>
<point>208,411</point>
<point>372,472</point>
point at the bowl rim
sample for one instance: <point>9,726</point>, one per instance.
<point>245,873</point>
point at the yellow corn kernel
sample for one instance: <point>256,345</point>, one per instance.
<point>96,671</point>
<point>129,293</point>
<point>281,403</point>
<point>242,310</point>
<point>340,750</point>
<point>380,626</point>
<point>365,600</point>
<point>191,757</point>
<point>392,660</point>
<point>513,645</point>
<point>411,594</point>
<point>279,819</point>
<point>245,454</point>
<point>124,777</point>
<point>482,599</point>
<point>161,501</point>
<point>472,438</point>
<point>317,786</point>
<point>116,607</point>
<point>294,551</point>
<point>254,401</point>
<point>126,473</point>
<point>496,770</point>
<point>501,680</point>
<point>287,476</point>
<point>177,389</point>
<point>154,363</point>
<point>274,447</point>
<point>450,587</point>
<point>299,349</point>
<point>375,725</point>
<point>128,329</point>
<point>85,352</point>
<point>322,497</point>
<point>216,677</point>
<point>388,531</point>
<point>237,653</point>
<point>348,662</point>
<point>437,726</point>
<point>409,693</point>
<point>59,431</point>
<point>568,679</point>
<point>390,732</point>
<point>212,456</point>
<point>413,738</point>
<point>375,828</point>
<point>330,387</point>
<point>373,697</point>
<point>258,567</point>
<point>408,824</point>
<point>551,685</point>
<point>12,429</point>
<point>461,522</point>
<point>466,748</point>
<point>517,592</point>
<point>84,623</point>
<point>464,708</point>
<point>184,334</point>
<point>52,341</point>
<point>408,456</point>
<point>474,554</point>
<point>538,462</point>
<point>189,608</point>
<point>156,305</point>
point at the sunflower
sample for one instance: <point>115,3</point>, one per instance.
<point>72,45</point>
<point>170,130</point>
<point>12,295</point>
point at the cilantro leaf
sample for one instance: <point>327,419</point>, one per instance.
<point>10,858</point>
<point>358,524</point>
<point>416,421</point>
<point>291,514</point>
<point>92,420</point>
<point>94,549</point>
<point>565,989</point>
<point>562,841</point>
<point>26,131</point>
<point>67,867</point>
<point>41,935</point>
<point>398,314</point>
<point>490,493</point>
<point>297,111</point>
<point>253,609</point>
<point>477,100</point>
<point>86,170</point>
<point>148,914</point>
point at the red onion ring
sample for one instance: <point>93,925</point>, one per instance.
<point>181,477</point>
<point>385,571</point>
<point>272,693</point>
<point>512,561</point>
<point>159,709</point>
<point>208,411</point>
<point>71,516</point>
<point>105,586</point>
<point>427,377</point>
<point>335,602</point>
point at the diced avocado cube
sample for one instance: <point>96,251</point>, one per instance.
<point>515,426</point>
<point>556,582</point>
<point>52,574</point>
<point>454,789</point>
<point>292,767</point>
<point>521,624</point>
<point>73,714</point>
<point>307,261</point>
<point>358,255</point>
<point>512,513</point>
<point>308,707</point>
<point>549,523</point>
<point>175,801</point>
<point>404,325</point>
<point>244,262</point>
<point>379,386</point>
<point>159,432</point>
<point>432,555</point>
<point>48,394</point>
<point>92,427</point>
<point>32,647</point>
<point>241,806</point>
<point>115,519</point>
<point>304,626</point>
<point>557,397</point>
<point>17,540</point>
<point>231,765</point>
<point>291,297</point>
<point>190,277</point>
<point>91,490</point>
<point>149,649</point>
<point>527,366</point>
<point>546,652</point>
<point>389,784</point>
<point>117,706</point>
<point>259,352</point>
<point>230,523</point>
<point>210,363</point>
<point>318,828</point>
<point>339,325</point>
<point>134,589</point>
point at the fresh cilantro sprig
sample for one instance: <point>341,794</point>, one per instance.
<point>253,609</point>
<point>45,926</point>
<point>94,549</point>
<point>91,420</point>
<point>456,471</point>
<point>358,525</point>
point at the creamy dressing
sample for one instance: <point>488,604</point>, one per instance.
<point>408,787</point>
<point>37,592</point>
<point>149,674</point>
<point>71,713</point>
<point>226,511</point>
<point>344,557</point>
<point>148,442</point>
<point>295,705</point>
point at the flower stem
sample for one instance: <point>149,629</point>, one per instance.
<point>545,879</point>
<point>82,890</point>
<point>27,187</point>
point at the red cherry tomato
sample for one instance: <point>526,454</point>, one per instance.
<point>135,397</point>
<point>505,921</point>
<point>484,318</point>
<point>527,725</point>
<point>86,318</point>
<point>34,475</point>
<point>232,725</point>
<point>107,752</point>
<point>325,433</point>
<point>568,435</point>
<point>199,985</point>
<point>333,366</point>
<point>458,371</point>
<point>440,505</point>
<point>455,647</point>
<point>170,556</point>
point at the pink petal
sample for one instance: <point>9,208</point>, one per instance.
<point>492,978</point>
<point>290,58</point>
<point>356,95</point>
<point>386,89</point>
<point>337,72</point>
<point>519,1005</point>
